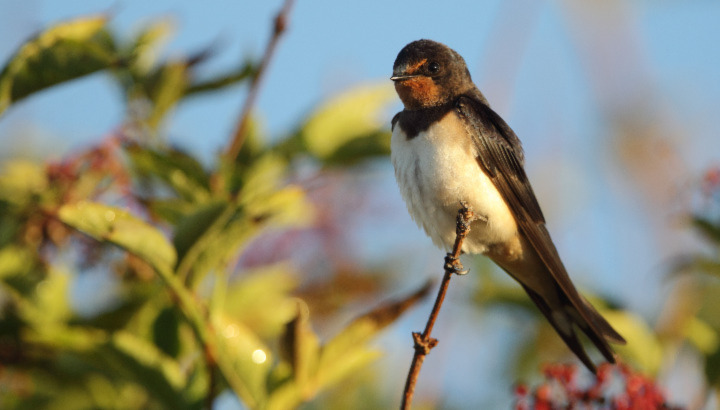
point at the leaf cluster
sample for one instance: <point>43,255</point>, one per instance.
<point>183,320</point>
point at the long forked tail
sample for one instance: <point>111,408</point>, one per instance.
<point>564,317</point>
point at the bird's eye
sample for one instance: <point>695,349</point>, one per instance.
<point>433,67</point>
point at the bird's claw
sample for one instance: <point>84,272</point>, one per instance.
<point>453,265</point>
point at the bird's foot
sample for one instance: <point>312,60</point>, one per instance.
<point>465,216</point>
<point>453,265</point>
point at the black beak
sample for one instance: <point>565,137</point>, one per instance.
<point>402,77</point>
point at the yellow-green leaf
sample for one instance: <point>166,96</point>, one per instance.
<point>63,52</point>
<point>300,346</point>
<point>149,356</point>
<point>148,42</point>
<point>119,227</point>
<point>354,114</point>
<point>168,86</point>
<point>348,350</point>
<point>261,299</point>
<point>21,180</point>
<point>643,346</point>
<point>702,335</point>
<point>243,359</point>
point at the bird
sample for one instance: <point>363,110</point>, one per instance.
<point>448,147</point>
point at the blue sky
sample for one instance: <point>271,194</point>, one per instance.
<point>530,58</point>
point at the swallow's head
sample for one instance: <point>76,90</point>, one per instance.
<point>429,74</point>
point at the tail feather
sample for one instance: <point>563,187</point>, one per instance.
<point>601,324</point>
<point>563,316</point>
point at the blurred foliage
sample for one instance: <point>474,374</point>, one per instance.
<point>185,320</point>
<point>699,322</point>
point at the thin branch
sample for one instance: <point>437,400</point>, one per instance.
<point>423,342</point>
<point>241,129</point>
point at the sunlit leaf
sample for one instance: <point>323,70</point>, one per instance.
<point>373,144</point>
<point>285,207</point>
<point>243,359</point>
<point>264,200</point>
<point>63,52</point>
<point>119,227</point>
<point>22,180</point>
<point>14,261</point>
<point>348,350</point>
<point>702,335</point>
<point>146,45</point>
<point>261,299</point>
<point>301,345</point>
<point>166,87</point>
<point>50,305</point>
<point>354,114</point>
<point>643,346</point>
<point>217,251</point>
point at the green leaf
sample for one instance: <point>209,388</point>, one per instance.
<point>180,171</point>
<point>49,307</point>
<point>203,239</point>
<point>643,346</point>
<point>202,222</point>
<point>373,144</point>
<point>699,264</point>
<point>170,210</point>
<point>243,72</point>
<point>144,49</point>
<point>301,346</point>
<point>261,299</point>
<point>702,335</point>
<point>21,181</point>
<point>264,200</point>
<point>353,115</point>
<point>243,359</point>
<point>299,349</point>
<point>348,350</point>
<point>166,330</point>
<point>712,369</point>
<point>119,227</point>
<point>19,269</point>
<point>166,86</point>
<point>63,52</point>
<point>708,228</point>
<point>158,373</point>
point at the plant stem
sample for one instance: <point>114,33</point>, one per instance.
<point>242,124</point>
<point>423,342</point>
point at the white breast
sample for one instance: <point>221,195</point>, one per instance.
<point>435,171</point>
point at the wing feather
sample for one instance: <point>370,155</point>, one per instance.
<point>500,156</point>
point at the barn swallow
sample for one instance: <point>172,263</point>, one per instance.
<point>448,146</point>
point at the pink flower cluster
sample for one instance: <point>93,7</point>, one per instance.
<point>616,387</point>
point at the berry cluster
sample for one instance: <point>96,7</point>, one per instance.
<point>615,387</point>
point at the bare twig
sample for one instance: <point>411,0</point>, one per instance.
<point>242,124</point>
<point>423,342</point>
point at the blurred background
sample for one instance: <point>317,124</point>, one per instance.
<point>614,102</point>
